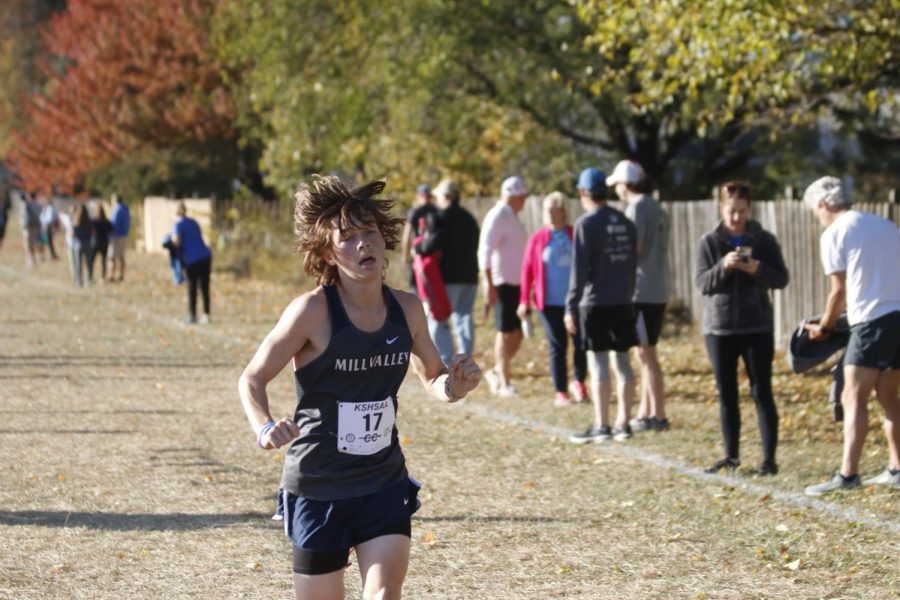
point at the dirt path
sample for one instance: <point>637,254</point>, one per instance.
<point>129,471</point>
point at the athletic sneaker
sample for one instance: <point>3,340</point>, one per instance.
<point>726,463</point>
<point>639,424</point>
<point>620,435</point>
<point>204,319</point>
<point>562,399</point>
<point>659,424</point>
<point>835,484</point>
<point>190,320</point>
<point>493,380</point>
<point>508,391</point>
<point>886,477</point>
<point>579,391</point>
<point>766,468</point>
<point>592,434</point>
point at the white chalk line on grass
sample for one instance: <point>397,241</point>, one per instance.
<point>626,450</point>
<point>637,454</point>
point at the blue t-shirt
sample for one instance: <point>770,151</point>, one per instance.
<point>557,259</point>
<point>121,220</point>
<point>190,240</point>
<point>738,240</point>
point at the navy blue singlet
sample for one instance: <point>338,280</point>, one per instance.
<point>356,367</point>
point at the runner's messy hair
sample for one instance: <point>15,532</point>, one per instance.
<point>326,202</point>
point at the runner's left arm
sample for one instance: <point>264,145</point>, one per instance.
<point>447,383</point>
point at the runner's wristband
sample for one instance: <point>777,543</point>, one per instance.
<point>263,431</point>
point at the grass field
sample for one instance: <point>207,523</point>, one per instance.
<point>129,470</point>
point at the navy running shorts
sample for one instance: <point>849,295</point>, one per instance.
<point>323,531</point>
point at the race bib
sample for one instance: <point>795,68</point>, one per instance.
<point>365,427</point>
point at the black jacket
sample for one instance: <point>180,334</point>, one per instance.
<point>453,231</point>
<point>738,302</point>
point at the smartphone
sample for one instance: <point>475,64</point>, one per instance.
<point>745,252</point>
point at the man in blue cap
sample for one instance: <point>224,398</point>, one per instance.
<point>599,303</point>
<point>419,218</point>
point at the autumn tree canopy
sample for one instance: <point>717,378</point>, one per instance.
<point>136,76</point>
<point>186,95</point>
<point>693,90</point>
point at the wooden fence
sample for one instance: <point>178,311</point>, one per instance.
<point>793,224</point>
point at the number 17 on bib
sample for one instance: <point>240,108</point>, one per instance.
<point>365,428</point>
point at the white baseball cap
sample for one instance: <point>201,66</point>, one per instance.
<point>513,186</point>
<point>829,190</point>
<point>627,171</point>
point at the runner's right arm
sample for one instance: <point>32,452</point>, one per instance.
<point>286,340</point>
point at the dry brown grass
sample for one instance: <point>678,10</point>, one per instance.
<point>129,471</point>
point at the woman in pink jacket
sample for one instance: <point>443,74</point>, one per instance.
<point>545,283</point>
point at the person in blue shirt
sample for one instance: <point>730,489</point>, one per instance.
<point>197,260</point>
<point>118,238</point>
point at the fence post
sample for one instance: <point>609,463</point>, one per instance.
<point>892,196</point>
<point>789,192</point>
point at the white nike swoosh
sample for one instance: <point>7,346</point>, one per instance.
<point>405,501</point>
<point>391,341</point>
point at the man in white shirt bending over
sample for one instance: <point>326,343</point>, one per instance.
<point>501,247</point>
<point>861,252</point>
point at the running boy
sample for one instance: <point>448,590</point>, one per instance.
<point>351,341</point>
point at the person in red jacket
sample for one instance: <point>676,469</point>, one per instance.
<point>546,267</point>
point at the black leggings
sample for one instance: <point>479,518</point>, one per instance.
<point>198,272</point>
<point>758,351</point>
<point>554,327</point>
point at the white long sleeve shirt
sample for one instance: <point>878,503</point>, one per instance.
<point>501,245</point>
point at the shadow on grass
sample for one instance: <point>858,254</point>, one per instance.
<point>68,431</point>
<point>127,522</point>
<point>81,411</point>
<point>492,519</point>
<point>91,360</point>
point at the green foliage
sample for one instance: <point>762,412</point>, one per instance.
<point>367,90</point>
<point>415,89</point>
<point>164,172</point>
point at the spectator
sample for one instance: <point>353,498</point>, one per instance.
<point>4,213</point>
<point>599,303</point>
<point>83,238</point>
<point>651,290</point>
<point>49,223</point>
<point>417,219</point>
<point>860,252</point>
<point>197,260</point>
<point>453,233</point>
<point>738,263</point>
<point>500,249</point>
<point>67,223</point>
<point>102,229</point>
<point>546,271</point>
<point>30,221</point>
<point>121,226</point>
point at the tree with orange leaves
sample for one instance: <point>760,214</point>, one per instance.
<point>132,78</point>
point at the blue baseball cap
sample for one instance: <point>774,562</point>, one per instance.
<point>423,188</point>
<point>593,180</point>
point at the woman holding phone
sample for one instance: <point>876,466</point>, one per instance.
<point>737,263</point>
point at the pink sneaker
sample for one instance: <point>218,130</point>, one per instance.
<point>579,391</point>
<point>562,399</point>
